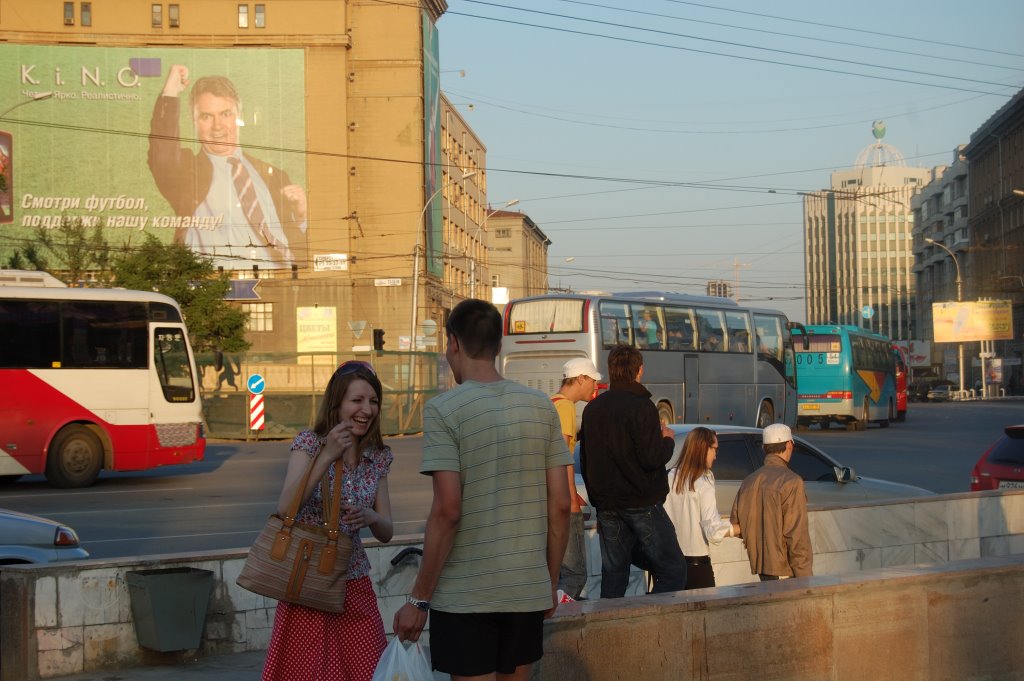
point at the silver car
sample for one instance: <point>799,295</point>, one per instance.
<point>740,454</point>
<point>28,538</point>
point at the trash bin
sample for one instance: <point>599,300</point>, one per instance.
<point>169,606</point>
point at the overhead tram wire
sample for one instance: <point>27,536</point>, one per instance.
<point>846,28</point>
<point>731,56</point>
<point>730,43</point>
<point>790,35</point>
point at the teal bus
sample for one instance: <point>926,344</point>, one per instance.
<point>845,375</point>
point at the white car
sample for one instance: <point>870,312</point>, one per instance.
<point>740,454</point>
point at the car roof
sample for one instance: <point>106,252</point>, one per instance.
<point>685,428</point>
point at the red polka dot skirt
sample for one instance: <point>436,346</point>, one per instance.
<point>313,645</point>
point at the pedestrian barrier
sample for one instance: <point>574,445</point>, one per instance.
<point>934,574</point>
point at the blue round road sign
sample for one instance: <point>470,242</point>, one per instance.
<point>867,312</point>
<point>255,384</point>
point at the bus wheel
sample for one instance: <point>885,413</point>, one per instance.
<point>665,414</point>
<point>765,415</point>
<point>75,458</point>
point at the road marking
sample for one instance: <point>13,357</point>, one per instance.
<point>100,492</point>
<point>164,509</point>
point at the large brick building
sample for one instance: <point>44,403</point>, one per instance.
<point>338,98</point>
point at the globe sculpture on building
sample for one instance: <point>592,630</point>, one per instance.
<point>880,154</point>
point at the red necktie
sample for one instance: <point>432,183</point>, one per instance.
<point>250,204</point>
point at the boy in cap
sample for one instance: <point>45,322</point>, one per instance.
<point>771,510</point>
<point>579,383</point>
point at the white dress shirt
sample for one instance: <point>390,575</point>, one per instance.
<point>695,515</point>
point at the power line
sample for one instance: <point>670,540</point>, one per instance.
<point>723,54</point>
<point>847,28</point>
<point>790,35</point>
<point>731,43</point>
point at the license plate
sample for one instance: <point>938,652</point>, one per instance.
<point>810,407</point>
<point>1011,484</point>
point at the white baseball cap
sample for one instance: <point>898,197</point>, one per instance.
<point>777,433</point>
<point>581,366</point>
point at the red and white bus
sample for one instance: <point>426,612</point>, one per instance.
<point>94,379</point>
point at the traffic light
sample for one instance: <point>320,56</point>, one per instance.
<point>378,339</point>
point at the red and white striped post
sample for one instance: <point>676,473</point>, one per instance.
<point>256,412</point>
<point>256,386</point>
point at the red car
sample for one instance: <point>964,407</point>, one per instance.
<point>1002,466</point>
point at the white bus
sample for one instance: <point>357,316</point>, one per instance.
<point>706,360</point>
<point>93,379</point>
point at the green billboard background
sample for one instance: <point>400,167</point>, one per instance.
<point>82,152</point>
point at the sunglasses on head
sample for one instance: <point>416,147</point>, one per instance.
<point>354,365</point>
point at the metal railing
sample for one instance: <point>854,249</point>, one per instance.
<point>294,384</point>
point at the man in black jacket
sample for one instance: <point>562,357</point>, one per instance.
<point>623,453</point>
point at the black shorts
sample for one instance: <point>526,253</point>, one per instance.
<point>476,643</point>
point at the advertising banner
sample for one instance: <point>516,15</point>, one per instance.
<point>974,321</point>
<point>316,329</point>
<point>920,353</point>
<point>205,147</point>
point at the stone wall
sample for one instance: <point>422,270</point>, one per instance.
<point>70,618</point>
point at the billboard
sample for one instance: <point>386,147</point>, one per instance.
<point>205,147</point>
<point>974,321</point>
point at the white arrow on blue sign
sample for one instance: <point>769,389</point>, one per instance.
<point>255,384</point>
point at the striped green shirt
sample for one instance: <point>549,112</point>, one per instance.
<point>501,438</point>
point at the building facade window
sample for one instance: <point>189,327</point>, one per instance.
<point>69,14</point>
<point>260,20</point>
<point>261,316</point>
<point>243,16</point>
<point>503,234</point>
<point>158,16</point>
<point>173,16</point>
<point>86,14</point>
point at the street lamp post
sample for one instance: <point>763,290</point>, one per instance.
<point>421,225</point>
<point>483,228</point>
<point>959,299</point>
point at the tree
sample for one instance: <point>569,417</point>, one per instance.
<point>175,271</point>
<point>72,249</point>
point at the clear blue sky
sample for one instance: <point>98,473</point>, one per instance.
<point>598,136</point>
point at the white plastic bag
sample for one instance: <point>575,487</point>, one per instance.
<point>403,662</point>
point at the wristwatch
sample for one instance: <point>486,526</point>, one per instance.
<point>418,604</point>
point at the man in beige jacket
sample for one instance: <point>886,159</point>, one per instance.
<point>771,510</point>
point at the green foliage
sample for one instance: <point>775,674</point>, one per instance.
<point>175,271</point>
<point>73,251</point>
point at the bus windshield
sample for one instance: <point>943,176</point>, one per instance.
<point>545,316</point>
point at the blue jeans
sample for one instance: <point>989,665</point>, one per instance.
<point>572,577</point>
<point>650,532</point>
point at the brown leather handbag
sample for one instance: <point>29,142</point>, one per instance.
<point>299,563</point>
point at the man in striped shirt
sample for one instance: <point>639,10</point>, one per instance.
<point>498,525</point>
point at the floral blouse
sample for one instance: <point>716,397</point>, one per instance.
<point>358,487</point>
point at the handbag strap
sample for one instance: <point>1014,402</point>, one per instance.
<point>333,519</point>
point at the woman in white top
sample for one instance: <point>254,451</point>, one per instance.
<point>692,507</point>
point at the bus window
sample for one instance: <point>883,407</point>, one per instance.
<point>711,324</point>
<point>546,316</point>
<point>681,329</point>
<point>650,327</point>
<point>36,344</point>
<point>616,324</point>
<point>739,331</point>
<point>170,356</point>
<point>104,335</point>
